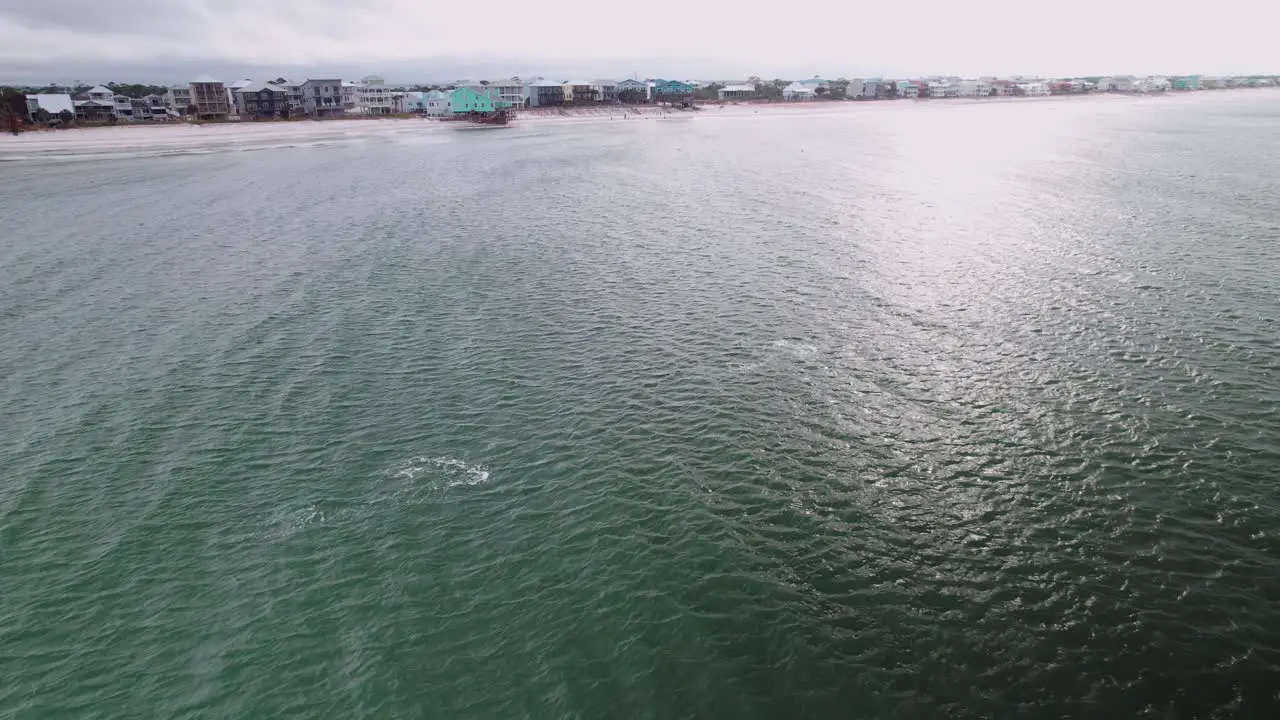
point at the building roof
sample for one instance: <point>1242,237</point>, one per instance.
<point>240,83</point>
<point>738,88</point>
<point>579,82</point>
<point>259,87</point>
<point>603,81</point>
<point>53,103</point>
<point>98,89</point>
<point>204,79</point>
<point>545,83</point>
<point>94,103</point>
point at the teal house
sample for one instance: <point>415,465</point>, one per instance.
<point>466,100</point>
<point>1189,82</point>
<point>671,90</point>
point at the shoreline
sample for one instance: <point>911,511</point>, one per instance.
<point>645,112</point>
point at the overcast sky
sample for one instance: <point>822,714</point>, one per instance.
<point>409,40</point>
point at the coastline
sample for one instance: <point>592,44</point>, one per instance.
<point>619,112</point>
<point>181,138</point>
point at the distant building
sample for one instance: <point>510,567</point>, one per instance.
<point>322,98</point>
<point>52,104</point>
<point>466,100</point>
<point>973,88</point>
<point>505,93</point>
<point>798,91</point>
<point>123,106</point>
<point>545,93</point>
<point>606,91</point>
<point>262,100</point>
<point>350,97</point>
<point>636,86</point>
<point>210,98</point>
<point>178,98</point>
<point>738,92</point>
<point>1034,89</point>
<point>1187,82</point>
<point>672,91</point>
<point>436,103</point>
<point>374,97</point>
<point>95,105</point>
<point>579,92</point>
<point>908,89</point>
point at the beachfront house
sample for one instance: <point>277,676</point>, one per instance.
<point>209,97</point>
<point>322,97</point>
<point>579,92</point>
<point>262,100</point>
<point>799,92</point>
<point>606,90</point>
<point>937,89</point>
<point>466,100</point>
<point>738,92</point>
<point>373,97</point>
<point>635,88</point>
<point>435,103</point>
<point>1151,84</point>
<point>123,107</point>
<point>50,103</point>
<point>510,91</point>
<point>908,89</point>
<point>1187,82</point>
<point>1122,83</point>
<point>1034,89</point>
<point>546,93</point>
<point>672,91</point>
<point>349,93</point>
<point>95,105</point>
<point>973,88</point>
<point>178,98</point>
<point>873,88</point>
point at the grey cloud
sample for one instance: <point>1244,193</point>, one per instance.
<point>147,17</point>
<point>99,16</point>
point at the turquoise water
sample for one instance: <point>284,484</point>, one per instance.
<point>901,410</point>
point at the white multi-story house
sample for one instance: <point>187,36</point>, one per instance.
<point>1124,83</point>
<point>973,88</point>
<point>606,90</point>
<point>123,107</point>
<point>1034,89</point>
<point>1151,84</point>
<point>178,98</point>
<point>349,92</point>
<point>374,97</point>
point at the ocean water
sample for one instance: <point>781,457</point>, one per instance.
<point>887,410</point>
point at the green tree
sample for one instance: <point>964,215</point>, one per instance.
<point>631,96</point>
<point>708,92</point>
<point>820,92</point>
<point>67,117</point>
<point>41,115</point>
